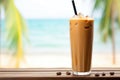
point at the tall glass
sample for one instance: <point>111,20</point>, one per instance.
<point>81,37</point>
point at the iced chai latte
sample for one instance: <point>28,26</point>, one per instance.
<point>81,37</point>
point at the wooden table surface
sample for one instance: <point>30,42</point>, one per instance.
<point>51,74</point>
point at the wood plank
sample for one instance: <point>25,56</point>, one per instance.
<point>50,74</point>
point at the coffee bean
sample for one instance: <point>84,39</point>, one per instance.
<point>103,74</point>
<point>97,75</point>
<point>112,73</point>
<point>58,73</point>
<point>68,73</point>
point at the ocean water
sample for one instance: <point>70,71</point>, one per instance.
<point>54,34</point>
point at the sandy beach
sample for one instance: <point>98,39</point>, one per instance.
<point>61,60</point>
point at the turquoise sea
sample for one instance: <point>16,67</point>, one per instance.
<point>54,33</point>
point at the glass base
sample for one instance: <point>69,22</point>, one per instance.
<point>81,73</point>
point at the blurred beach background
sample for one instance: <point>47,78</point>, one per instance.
<point>49,38</point>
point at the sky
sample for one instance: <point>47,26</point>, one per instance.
<point>52,8</point>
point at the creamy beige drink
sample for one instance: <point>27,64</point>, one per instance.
<point>81,36</point>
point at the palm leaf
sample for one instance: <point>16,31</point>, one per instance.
<point>15,25</point>
<point>105,21</point>
<point>24,28</point>
<point>97,4</point>
<point>16,30</point>
<point>118,9</point>
<point>110,8</point>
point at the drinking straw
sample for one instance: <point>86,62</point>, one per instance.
<point>74,7</point>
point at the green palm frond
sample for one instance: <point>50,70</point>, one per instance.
<point>110,18</point>
<point>16,30</point>
<point>12,36</point>
<point>1,2</point>
<point>98,3</point>
<point>14,24</point>
<point>105,21</point>
<point>24,29</point>
<point>118,9</point>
